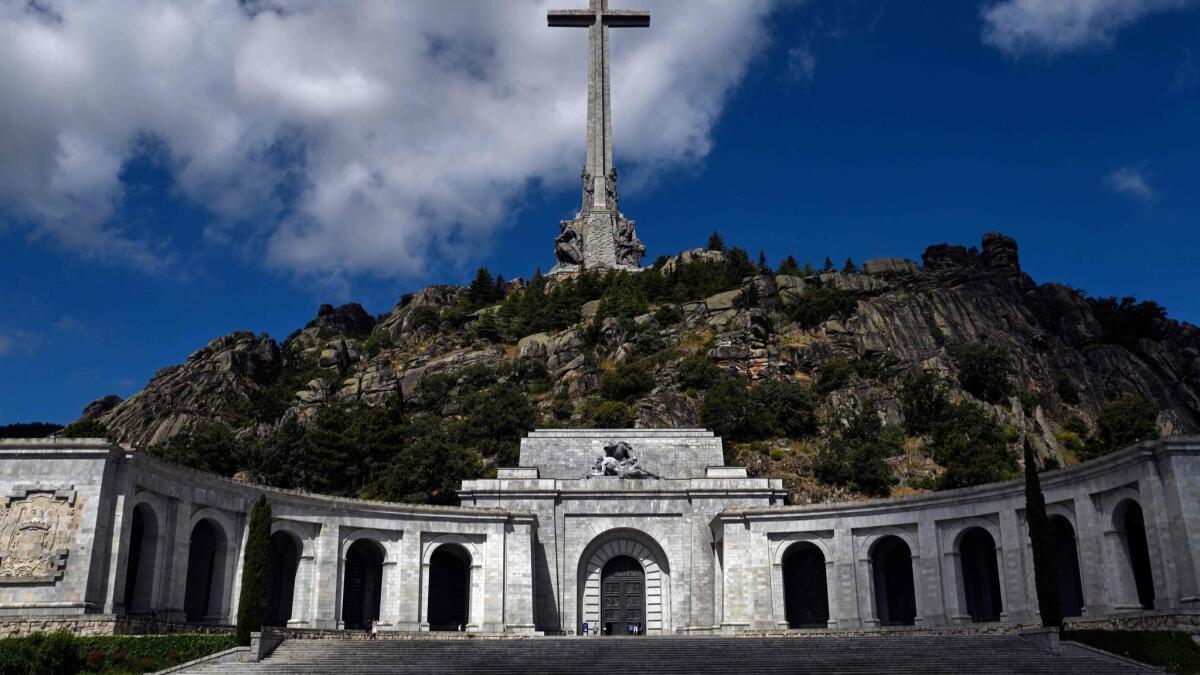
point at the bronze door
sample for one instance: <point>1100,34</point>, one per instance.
<point>623,597</point>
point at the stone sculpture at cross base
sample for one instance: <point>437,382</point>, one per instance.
<point>599,237</point>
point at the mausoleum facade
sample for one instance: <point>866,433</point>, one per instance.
<point>621,531</point>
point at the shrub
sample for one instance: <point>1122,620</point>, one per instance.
<point>1125,321</point>
<point>834,374</point>
<point>425,316</point>
<point>207,446</point>
<point>1076,425</point>
<point>697,371</point>
<point>983,370</point>
<point>818,305</point>
<point>1067,390</point>
<point>89,427</point>
<point>627,383</point>
<point>971,445</point>
<point>730,412</point>
<point>61,652</point>
<point>1070,441</point>
<point>785,408</point>
<point>1175,651</point>
<point>1121,422</point>
<point>856,455</point>
<point>924,402</point>
<point>253,599</point>
<point>609,415</point>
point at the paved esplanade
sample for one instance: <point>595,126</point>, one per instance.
<point>599,237</point>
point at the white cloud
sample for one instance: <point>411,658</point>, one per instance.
<point>417,123</point>
<point>802,64</point>
<point>1019,27</point>
<point>1132,181</point>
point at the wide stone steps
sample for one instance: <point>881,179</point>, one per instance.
<point>977,655</point>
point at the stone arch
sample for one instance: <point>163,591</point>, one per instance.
<point>805,585</point>
<point>205,588</point>
<point>978,560</point>
<point>1066,559</point>
<point>448,602</point>
<point>471,554</point>
<point>362,561</point>
<point>141,570</point>
<point>642,548</point>
<point>1129,523</point>
<point>285,548</point>
<point>893,582</point>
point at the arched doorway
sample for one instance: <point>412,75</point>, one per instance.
<point>283,559</point>
<point>1066,558</point>
<point>449,588</point>
<point>143,551</point>
<point>1132,525</point>
<point>895,595</point>
<point>649,556</point>
<point>981,576</point>
<point>623,597</point>
<point>805,594</point>
<point>205,586</point>
<point>363,583</point>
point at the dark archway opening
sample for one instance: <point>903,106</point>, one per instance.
<point>363,585</point>
<point>205,572</point>
<point>981,576</point>
<point>143,548</point>
<point>449,588</point>
<point>623,597</point>
<point>1066,557</point>
<point>895,595</point>
<point>1138,549</point>
<point>806,597</point>
<point>283,559</point>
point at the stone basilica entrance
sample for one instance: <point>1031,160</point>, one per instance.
<point>623,597</point>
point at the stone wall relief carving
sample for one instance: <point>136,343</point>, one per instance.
<point>35,530</point>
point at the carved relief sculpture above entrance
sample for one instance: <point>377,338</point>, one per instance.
<point>35,532</point>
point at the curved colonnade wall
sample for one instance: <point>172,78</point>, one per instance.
<point>90,528</point>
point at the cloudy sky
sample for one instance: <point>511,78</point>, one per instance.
<point>176,170</point>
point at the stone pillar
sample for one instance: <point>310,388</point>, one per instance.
<point>409,598</point>
<point>1181,483</point>
<point>305,588</point>
<point>328,591</point>
<point>1093,556</point>
<point>928,575</point>
<point>841,582</point>
<point>1009,561</point>
<point>177,542</point>
<point>738,599</point>
<point>518,577</point>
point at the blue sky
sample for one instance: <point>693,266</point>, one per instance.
<point>135,227</point>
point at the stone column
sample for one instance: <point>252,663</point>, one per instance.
<point>304,591</point>
<point>1093,568</point>
<point>1014,593</point>
<point>518,577</point>
<point>737,601</point>
<point>328,559</point>
<point>178,543</point>
<point>932,608</point>
<point>843,592</point>
<point>409,612</point>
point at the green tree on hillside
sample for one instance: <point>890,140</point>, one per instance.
<point>253,599</point>
<point>1041,540</point>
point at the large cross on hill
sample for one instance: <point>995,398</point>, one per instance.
<point>598,18</point>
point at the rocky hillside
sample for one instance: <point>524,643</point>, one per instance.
<point>808,373</point>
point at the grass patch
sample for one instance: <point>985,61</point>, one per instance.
<point>1173,650</point>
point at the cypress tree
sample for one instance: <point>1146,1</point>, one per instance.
<point>715,242</point>
<point>1045,567</point>
<point>253,598</point>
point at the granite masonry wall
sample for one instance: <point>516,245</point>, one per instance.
<point>100,538</point>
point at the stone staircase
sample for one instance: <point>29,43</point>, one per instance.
<point>974,654</point>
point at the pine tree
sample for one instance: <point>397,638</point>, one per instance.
<point>828,266</point>
<point>1045,567</point>
<point>808,269</point>
<point>763,267</point>
<point>483,290</point>
<point>253,599</point>
<point>716,243</point>
<point>789,265</point>
<point>849,267</point>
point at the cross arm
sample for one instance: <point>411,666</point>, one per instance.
<point>576,18</point>
<point>626,18</point>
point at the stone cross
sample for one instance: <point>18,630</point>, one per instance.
<point>598,18</point>
<point>599,237</point>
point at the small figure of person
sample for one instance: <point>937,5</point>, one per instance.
<point>371,634</point>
